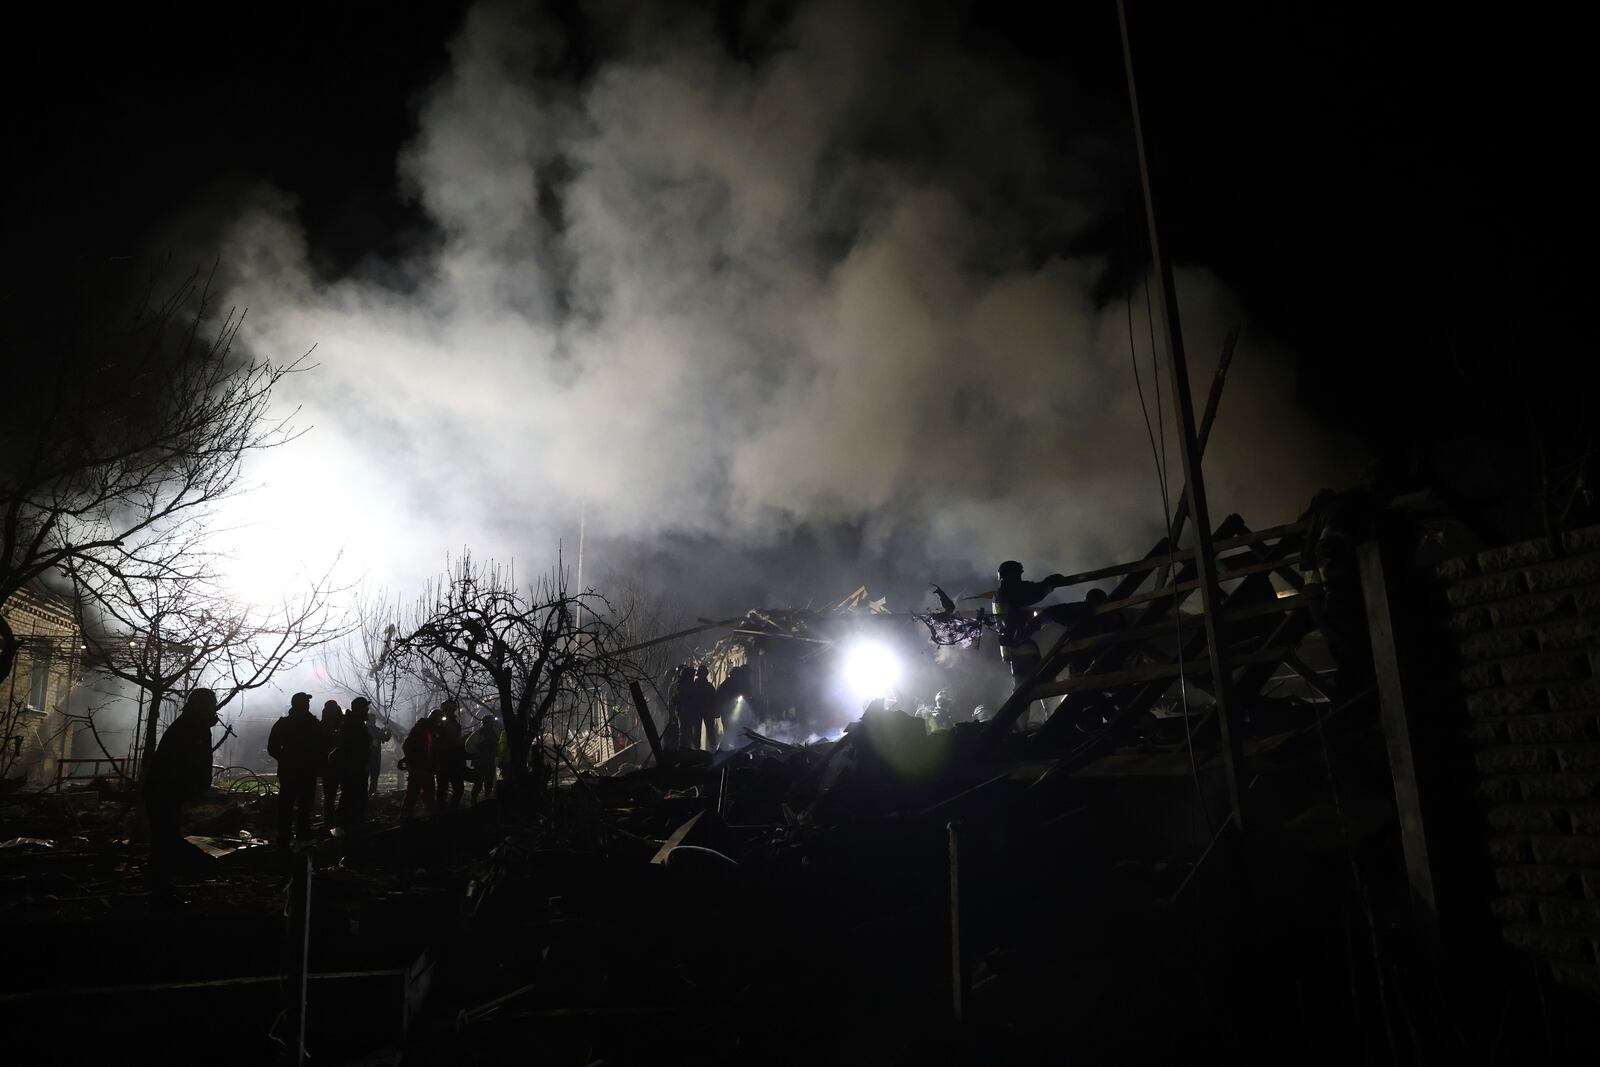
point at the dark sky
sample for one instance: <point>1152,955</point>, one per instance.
<point>1393,196</point>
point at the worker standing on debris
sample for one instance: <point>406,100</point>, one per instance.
<point>483,746</point>
<point>1015,622</point>
<point>733,706</point>
<point>296,743</point>
<point>420,762</point>
<point>942,716</point>
<point>350,763</point>
<point>1336,523</point>
<point>452,754</point>
<point>378,729</point>
<point>704,704</point>
<point>179,771</point>
<point>677,732</point>
<point>332,722</point>
<point>1092,625</point>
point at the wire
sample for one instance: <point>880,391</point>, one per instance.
<point>1159,453</point>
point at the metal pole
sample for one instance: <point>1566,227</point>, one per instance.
<point>1183,410</point>
<point>300,949</point>
<point>583,523</point>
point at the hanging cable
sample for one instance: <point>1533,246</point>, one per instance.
<point>1159,451</point>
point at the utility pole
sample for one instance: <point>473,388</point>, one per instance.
<point>583,522</point>
<point>1183,410</point>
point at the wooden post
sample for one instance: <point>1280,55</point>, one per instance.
<point>1183,411</point>
<point>1397,732</point>
<point>649,725</point>
<point>1181,513</point>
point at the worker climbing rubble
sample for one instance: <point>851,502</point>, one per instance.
<point>1336,523</point>
<point>1016,622</point>
<point>940,715</point>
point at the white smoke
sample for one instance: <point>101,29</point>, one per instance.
<point>712,298</point>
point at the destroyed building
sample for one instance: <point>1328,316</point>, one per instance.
<point>38,734</point>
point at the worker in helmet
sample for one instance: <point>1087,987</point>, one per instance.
<point>1016,621</point>
<point>180,771</point>
<point>942,715</point>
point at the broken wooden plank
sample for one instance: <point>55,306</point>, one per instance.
<point>677,838</point>
<point>1159,557</point>
<point>643,708</point>
<point>1113,680</point>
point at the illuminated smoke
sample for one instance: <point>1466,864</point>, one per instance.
<point>711,299</point>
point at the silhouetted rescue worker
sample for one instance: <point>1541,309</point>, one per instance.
<point>704,704</point>
<point>1016,622</point>
<point>349,762</point>
<point>942,716</point>
<point>296,743</point>
<point>332,722</point>
<point>733,706</point>
<point>420,762</point>
<point>179,772</point>
<point>677,731</point>
<point>483,746</point>
<point>378,729</point>
<point>1092,625</point>
<point>1336,524</point>
<point>452,755</point>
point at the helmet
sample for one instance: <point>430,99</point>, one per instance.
<point>1009,569</point>
<point>942,699</point>
<point>980,713</point>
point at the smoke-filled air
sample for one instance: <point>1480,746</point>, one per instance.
<point>697,303</point>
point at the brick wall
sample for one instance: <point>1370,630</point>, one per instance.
<point>1527,621</point>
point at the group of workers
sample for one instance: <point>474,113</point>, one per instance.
<point>694,704</point>
<point>342,750</point>
<point>438,755</point>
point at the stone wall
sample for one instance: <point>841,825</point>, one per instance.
<point>1527,619</point>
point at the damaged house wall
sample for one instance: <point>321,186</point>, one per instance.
<point>36,729</point>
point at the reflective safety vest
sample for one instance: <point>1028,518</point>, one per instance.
<point>1006,624</point>
<point>1310,561</point>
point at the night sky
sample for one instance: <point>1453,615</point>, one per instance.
<point>1389,202</point>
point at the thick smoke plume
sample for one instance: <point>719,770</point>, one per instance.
<point>706,299</point>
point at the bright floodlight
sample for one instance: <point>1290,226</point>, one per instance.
<point>870,670</point>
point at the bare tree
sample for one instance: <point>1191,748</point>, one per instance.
<point>161,621</point>
<point>362,663</point>
<point>125,430</point>
<point>551,677</point>
<point>643,617</point>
